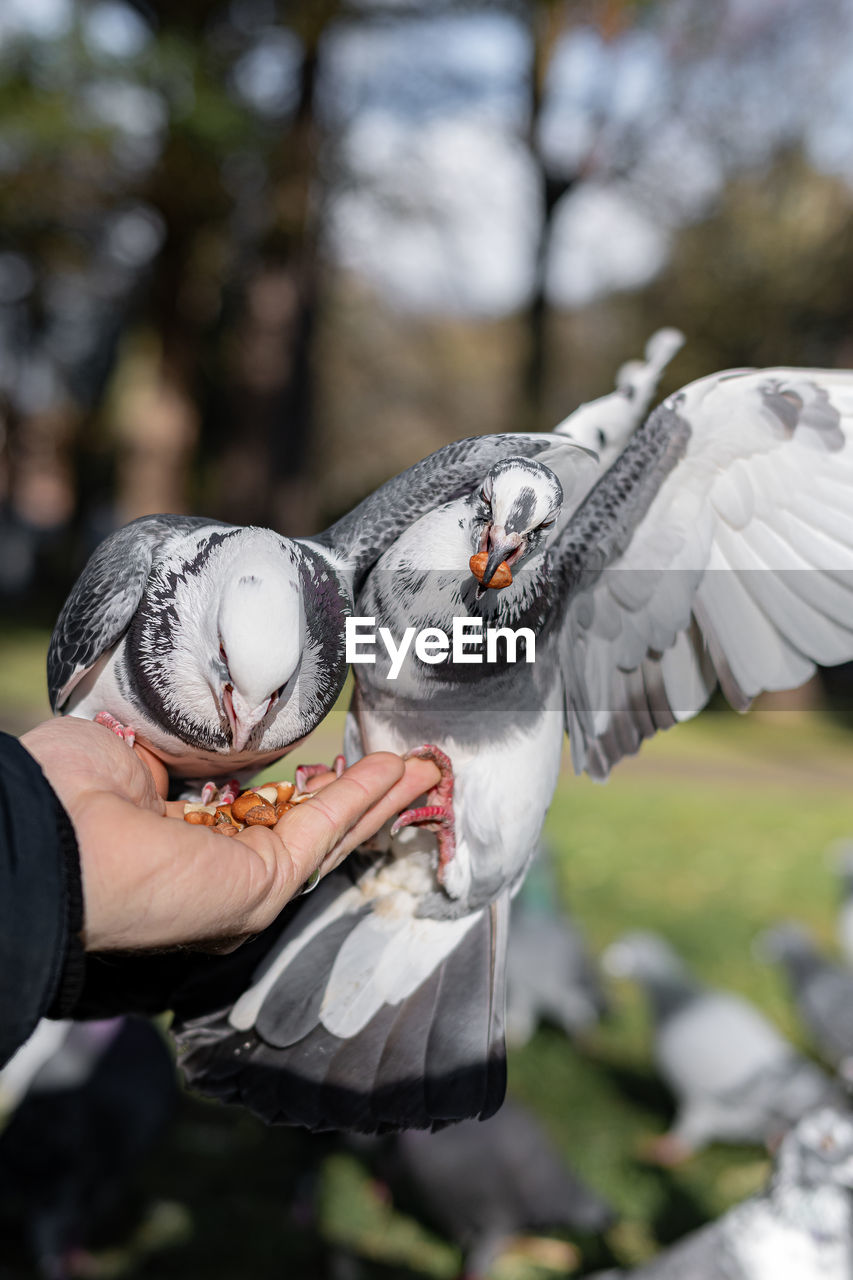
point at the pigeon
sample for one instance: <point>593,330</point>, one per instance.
<point>841,855</point>
<point>91,1113</point>
<point>551,976</point>
<point>632,592</point>
<point>481,1183</point>
<point>606,424</point>
<point>800,1227</point>
<point>735,1077</point>
<point>822,991</point>
<point>221,647</point>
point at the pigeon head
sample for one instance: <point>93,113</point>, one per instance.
<point>259,632</point>
<point>643,957</point>
<point>221,640</point>
<point>783,942</point>
<point>819,1150</point>
<point>518,502</point>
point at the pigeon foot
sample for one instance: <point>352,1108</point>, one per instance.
<point>227,793</point>
<point>122,731</point>
<point>305,772</point>
<point>437,814</point>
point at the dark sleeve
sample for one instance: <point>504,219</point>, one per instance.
<point>41,900</point>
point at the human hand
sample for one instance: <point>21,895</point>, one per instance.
<point>151,880</point>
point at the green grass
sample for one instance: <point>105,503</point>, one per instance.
<point>715,830</point>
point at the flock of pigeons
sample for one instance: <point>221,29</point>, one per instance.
<point>89,1100</point>
<point>651,558</point>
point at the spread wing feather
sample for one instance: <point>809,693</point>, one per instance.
<point>718,547</point>
<point>105,597</point>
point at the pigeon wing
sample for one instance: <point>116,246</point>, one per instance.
<point>357,1020</point>
<point>718,547</point>
<point>105,597</point>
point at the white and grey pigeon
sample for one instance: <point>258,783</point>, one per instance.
<point>800,1227</point>
<point>220,647</point>
<point>551,976</point>
<point>735,1077</point>
<point>822,990</point>
<point>718,546</point>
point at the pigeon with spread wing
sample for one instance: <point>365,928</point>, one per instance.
<point>717,547</point>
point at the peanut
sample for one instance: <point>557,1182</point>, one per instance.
<point>269,792</point>
<point>501,577</point>
<point>262,815</point>
<point>199,818</point>
<point>245,801</point>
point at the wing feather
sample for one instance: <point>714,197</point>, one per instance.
<point>728,559</point>
<point>105,597</point>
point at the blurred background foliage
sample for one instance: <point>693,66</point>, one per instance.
<point>258,255</point>
<point>255,256</point>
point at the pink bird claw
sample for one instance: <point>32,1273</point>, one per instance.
<point>305,772</point>
<point>224,793</point>
<point>122,731</point>
<point>437,814</point>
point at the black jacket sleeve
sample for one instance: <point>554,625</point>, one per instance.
<point>41,901</point>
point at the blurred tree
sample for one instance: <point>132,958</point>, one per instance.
<point>254,256</point>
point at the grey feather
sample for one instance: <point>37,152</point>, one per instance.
<point>364,533</point>
<point>434,1057</point>
<point>104,598</point>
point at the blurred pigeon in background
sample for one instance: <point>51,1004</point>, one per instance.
<point>382,1002</point>
<point>734,1075</point>
<point>607,424</point>
<point>220,647</point>
<point>480,1183</point>
<point>550,976</point>
<point>799,1228</point>
<point>92,1111</point>
<point>822,991</point>
<point>841,857</point>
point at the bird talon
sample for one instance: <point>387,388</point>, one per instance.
<point>305,772</point>
<point>226,793</point>
<point>122,731</point>
<point>437,814</point>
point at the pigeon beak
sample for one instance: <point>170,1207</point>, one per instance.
<point>242,718</point>
<point>501,547</point>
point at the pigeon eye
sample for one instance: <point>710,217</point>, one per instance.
<point>484,497</point>
<point>223,655</point>
<point>546,524</point>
